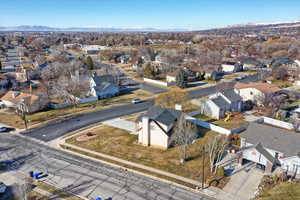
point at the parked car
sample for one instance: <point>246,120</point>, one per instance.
<point>135,101</point>
<point>3,188</point>
<point>5,129</point>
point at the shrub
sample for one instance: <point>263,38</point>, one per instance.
<point>220,172</point>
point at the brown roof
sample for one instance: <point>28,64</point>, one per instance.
<point>2,76</point>
<point>263,87</point>
<point>29,98</point>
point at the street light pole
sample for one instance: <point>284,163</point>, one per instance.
<point>203,158</point>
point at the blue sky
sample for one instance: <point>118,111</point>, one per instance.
<point>194,14</point>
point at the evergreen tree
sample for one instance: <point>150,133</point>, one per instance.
<point>181,79</point>
<point>149,71</point>
<point>89,63</point>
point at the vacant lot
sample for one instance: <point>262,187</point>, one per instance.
<point>121,144</point>
<point>286,191</point>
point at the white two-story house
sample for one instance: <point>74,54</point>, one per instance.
<point>104,86</point>
<point>155,128</point>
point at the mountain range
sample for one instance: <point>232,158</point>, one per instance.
<point>286,24</point>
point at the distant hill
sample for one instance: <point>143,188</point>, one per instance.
<point>85,29</point>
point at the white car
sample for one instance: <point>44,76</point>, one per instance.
<point>2,188</point>
<point>135,101</point>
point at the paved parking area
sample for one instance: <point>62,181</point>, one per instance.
<point>121,124</point>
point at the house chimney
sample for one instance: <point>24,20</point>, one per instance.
<point>178,107</point>
<point>146,131</point>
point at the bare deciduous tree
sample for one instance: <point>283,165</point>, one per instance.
<point>216,148</point>
<point>184,132</point>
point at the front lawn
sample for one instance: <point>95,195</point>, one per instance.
<point>121,144</point>
<point>283,191</point>
<point>15,121</point>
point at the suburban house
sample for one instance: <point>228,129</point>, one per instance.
<point>22,74</point>
<point>297,62</point>
<point>4,81</point>
<point>33,103</point>
<point>171,77</point>
<point>211,71</point>
<point>270,148</point>
<point>255,92</point>
<point>155,128</point>
<point>250,63</point>
<point>231,67</point>
<point>93,49</point>
<point>218,104</point>
<point>103,86</point>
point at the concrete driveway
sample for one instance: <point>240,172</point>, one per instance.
<point>244,183</point>
<point>121,124</point>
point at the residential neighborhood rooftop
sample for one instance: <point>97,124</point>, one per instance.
<point>288,142</point>
<point>166,116</point>
<point>263,87</point>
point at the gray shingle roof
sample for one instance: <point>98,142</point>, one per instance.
<point>104,78</point>
<point>165,116</point>
<point>220,102</point>
<point>231,95</point>
<point>278,139</point>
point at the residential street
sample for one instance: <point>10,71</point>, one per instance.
<point>83,176</point>
<point>57,129</point>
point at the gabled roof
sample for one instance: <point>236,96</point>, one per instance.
<point>17,97</point>
<point>165,116</point>
<point>104,78</point>
<point>263,87</point>
<point>281,61</point>
<point>231,95</point>
<point>287,142</point>
<point>220,102</point>
<point>103,86</point>
<point>259,148</point>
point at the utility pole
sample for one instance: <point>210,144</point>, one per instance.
<point>21,111</point>
<point>203,159</point>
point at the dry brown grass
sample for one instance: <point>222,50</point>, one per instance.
<point>121,144</point>
<point>13,120</point>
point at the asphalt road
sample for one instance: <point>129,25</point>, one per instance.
<point>85,177</point>
<point>57,129</point>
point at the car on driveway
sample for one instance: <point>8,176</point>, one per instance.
<point>135,101</point>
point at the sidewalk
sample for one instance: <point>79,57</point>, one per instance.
<point>209,191</point>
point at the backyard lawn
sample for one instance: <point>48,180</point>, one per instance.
<point>234,122</point>
<point>286,191</point>
<point>121,144</point>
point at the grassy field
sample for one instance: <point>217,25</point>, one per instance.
<point>282,84</point>
<point>284,191</point>
<point>238,74</point>
<point>15,121</point>
<point>232,123</point>
<point>121,144</point>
